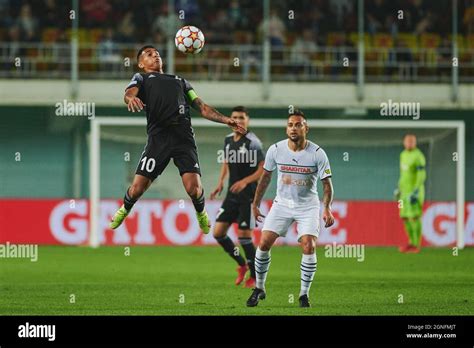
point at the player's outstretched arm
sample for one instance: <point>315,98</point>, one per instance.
<point>133,102</point>
<point>212,114</point>
<point>328,193</point>
<point>261,189</point>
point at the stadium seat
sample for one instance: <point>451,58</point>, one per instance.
<point>470,41</point>
<point>354,38</point>
<point>95,35</point>
<point>430,40</point>
<point>410,40</point>
<point>49,35</point>
<point>333,39</point>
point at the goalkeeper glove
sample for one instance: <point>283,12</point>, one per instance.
<point>414,197</point>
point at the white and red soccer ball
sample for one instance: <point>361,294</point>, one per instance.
<point>189,39</point>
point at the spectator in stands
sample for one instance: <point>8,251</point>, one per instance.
<point>391,25</point>
<point>189,8</point>
<point>6,20</point>
<point>249,56</point>
<point>161,21</point>
<point>96,12</point>
<point>344,51</point>
<point>400,59</point>
<point>376,11</point>
<point>341,8</point>
<point>468,18</point>
<point>13,49</point>
<point>418,10</point>
<point>126,28</point>
<point>50,13</point>
<point>237,19</point>
<point>158,38</point>
<point>220,27</point>
<point>63,53</point>
<point>445,58</point>
<point>426,24</point>
<point>315,22</point>
<point>27,23</point>
<point>108,52</point>
<point>276,29</point>
<point>302,53</point>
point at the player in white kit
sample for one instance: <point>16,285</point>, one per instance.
<point>300,163</point>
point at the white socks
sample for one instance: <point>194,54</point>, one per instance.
<point>309,264</point>
<point>262,264</point>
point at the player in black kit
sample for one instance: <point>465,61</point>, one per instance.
<point>243,160</point>
<point>167,99</point>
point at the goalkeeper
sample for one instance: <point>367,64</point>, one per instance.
<point>411,192</point>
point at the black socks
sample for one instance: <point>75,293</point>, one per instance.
<point>128,202</point>
<point>199,203</point>
<point>249,250</point>
<point>231,249</point>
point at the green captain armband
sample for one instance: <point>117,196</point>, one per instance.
<point>191,95</point>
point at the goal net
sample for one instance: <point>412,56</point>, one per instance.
<point>364,157</point>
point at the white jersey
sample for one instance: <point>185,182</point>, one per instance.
<point>298,172</point>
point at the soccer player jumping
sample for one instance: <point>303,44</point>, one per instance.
<point>300,163</point>
<point>166,99</point>
<point>244,163</point>
<point>411,192</point>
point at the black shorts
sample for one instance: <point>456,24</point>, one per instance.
<point>175,142</point>
<point>237,210</point>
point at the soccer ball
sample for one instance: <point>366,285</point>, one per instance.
<point>189,39</point>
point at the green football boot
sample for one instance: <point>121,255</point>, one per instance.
<point>204,223</point>
<point>118,217</point>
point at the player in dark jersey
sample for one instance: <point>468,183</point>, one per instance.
<point>167,100</point>
<point>243,161</point>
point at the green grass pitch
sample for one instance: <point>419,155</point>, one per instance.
<point>199,281</point>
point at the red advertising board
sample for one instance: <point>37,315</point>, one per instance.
<point>173,222</point>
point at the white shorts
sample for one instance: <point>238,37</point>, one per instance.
<point>280,218</point>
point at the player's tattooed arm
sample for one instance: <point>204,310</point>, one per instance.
<point>133,102</point>
<point>328,193</point>
<point>261,189</point>
<point>212,114</point>
<point>208,111</point>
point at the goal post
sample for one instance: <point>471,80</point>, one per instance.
<point>277,125</point>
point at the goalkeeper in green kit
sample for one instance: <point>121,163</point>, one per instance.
<point>411,192</point>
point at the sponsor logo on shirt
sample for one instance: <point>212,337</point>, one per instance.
<point>286,179</point>
<point>294,169</point>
